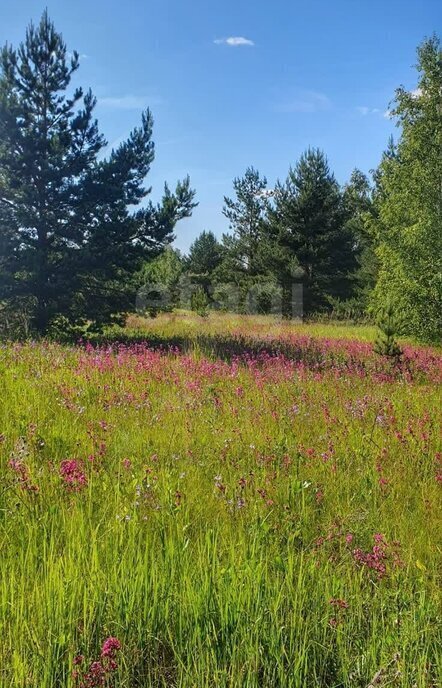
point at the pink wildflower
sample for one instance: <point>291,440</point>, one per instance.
<point>381,555</point>
<point>72,474</point>
<point>110,646</point>
<point>99,671</point>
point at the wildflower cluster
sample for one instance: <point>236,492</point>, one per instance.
<point>380,557</point>
<point>221,482</point>
<point>73,475</point>
<point>99,671</point>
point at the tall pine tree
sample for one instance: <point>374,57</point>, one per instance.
<point>316,245</point>
<point>70,240</point>
<point>246,214</point>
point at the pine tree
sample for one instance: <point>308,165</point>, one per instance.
<point>205,255</point>
<point>314,239</point>
<point>70,240</point>
<point>246,214</point>
<point>389,328</point>
<point>407,218</point>
<point>199,302</point>
<point>358,204</point>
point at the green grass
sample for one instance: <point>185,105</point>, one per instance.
<point>214,552</point>
<point>186,322</point>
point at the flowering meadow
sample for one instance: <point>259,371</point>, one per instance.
<point>225,503</point>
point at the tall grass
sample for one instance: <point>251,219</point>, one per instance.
<point>219,518</point>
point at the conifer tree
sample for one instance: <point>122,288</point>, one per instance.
<point>246,214</point>
<point>358,204</point>
<point>70,239</point>
<point>205,254</point>
<point>315,241</point>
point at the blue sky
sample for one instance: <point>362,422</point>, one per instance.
<point>294,73</point>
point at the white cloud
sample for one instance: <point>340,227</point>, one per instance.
<point>234,41</point>
<point>364,110</point>
<point>128,102</point>
<point>387,114</point>
<point>307,101</point>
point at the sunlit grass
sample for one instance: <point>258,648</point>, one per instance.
<point>181,322</point>
<point>225,514</point>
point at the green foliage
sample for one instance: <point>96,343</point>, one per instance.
<point>161,277</point>
<point>204,258</point>
<point>226,297</point>
<point>246,214</point>
<point>264,297</point>
<point>407,222</point>
<point>390,327</point>
<point>165,269</point>
<point>78,234</point>
<point>304,231</point>
<point>15,317</point>
<point>63,330</point>
<point>70,240</point>
<point>310,223</point>
<point>205,254</point>
<point>358,204</point>
<point>199,302</point>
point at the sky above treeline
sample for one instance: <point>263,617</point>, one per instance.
<point>234,83</point>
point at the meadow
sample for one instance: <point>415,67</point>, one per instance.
<point>234,502</point>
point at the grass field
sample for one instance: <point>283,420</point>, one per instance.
<point>237,503</point>
<point>185,322</point>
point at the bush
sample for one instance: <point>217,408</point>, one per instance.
<point>386,344</point>
<point>199,302</point>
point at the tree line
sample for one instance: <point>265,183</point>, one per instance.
<point>79,239</point>
<point>371,246</point>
